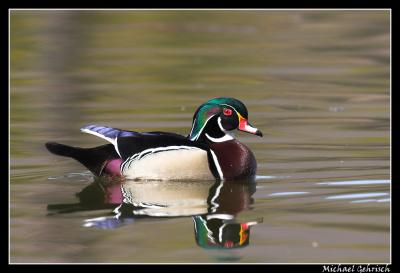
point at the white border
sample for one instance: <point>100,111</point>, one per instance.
<point>196,9</point>
<point>200,9</point>
<point>390,126</point>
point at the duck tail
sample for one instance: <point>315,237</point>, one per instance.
<point>94,159</point>
<point>60,149</point>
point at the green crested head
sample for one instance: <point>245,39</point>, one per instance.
<point>219,115</point>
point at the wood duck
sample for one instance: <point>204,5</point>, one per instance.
<point>209,152</point>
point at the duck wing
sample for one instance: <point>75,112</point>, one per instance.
<point>129,143</point>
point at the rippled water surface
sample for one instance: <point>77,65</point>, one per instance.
<point>315,82</point>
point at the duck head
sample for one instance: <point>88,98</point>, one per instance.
<point>217,233</point>
<point>216,118</point>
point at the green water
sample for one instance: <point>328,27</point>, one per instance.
<point>316,83</point>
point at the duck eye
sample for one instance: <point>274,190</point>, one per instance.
<point>227,112</point>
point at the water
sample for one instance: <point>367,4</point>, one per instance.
<point>315,82</point>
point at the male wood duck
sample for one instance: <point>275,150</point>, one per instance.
<point>209,152</point>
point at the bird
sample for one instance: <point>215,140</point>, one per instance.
<point>209,152</point>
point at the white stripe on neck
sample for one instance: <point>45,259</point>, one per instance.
<point>226,137</point>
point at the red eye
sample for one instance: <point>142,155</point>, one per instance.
<point>227,112</point>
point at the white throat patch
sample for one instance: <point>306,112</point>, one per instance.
<point>226,137</point>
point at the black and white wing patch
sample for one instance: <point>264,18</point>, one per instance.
<point>159,155</point>
<point>107,133</point>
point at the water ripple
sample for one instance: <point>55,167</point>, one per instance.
<point>357,195</point>
<point>356,182</point>
<point>264,177</point>
<point>288,193</point>
<point>371,200</point>
<point>85,175</point>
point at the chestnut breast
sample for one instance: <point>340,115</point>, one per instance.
<point>235,159</point>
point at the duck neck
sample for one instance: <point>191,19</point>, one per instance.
<point>214,132</point>
<point>226,137</point>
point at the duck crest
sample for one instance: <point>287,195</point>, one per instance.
<point>201,118</point>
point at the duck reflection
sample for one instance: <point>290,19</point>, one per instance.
<point>219,227</point>
<point>213,206</point>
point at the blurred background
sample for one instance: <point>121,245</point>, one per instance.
<point>316,83</point>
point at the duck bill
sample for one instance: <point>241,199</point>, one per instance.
<point>245,126</point>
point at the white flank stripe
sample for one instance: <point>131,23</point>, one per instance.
<point>221,175</point>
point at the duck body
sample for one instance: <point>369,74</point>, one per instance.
<point>165,156</point>
<point>209,152</point>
